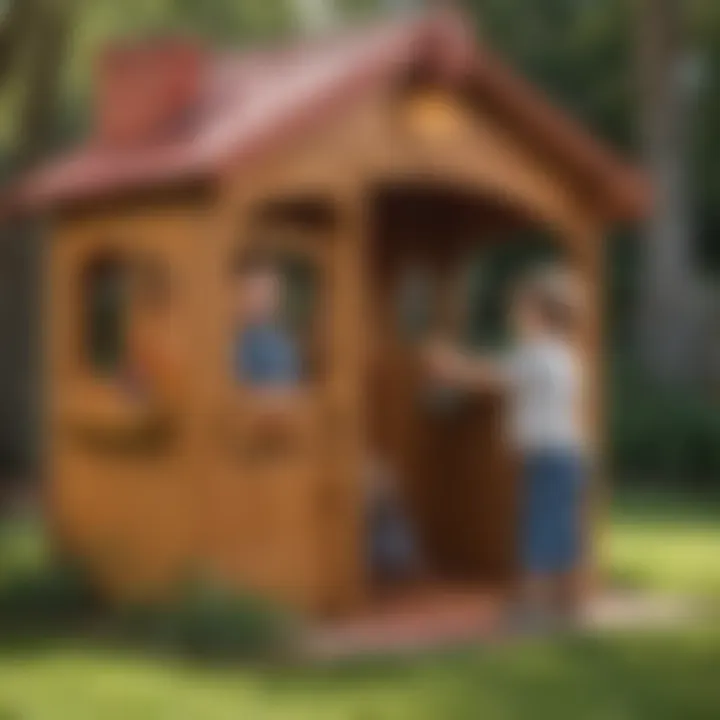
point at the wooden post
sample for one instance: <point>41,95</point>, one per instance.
<point>346,425</point>
<point>587,249</point>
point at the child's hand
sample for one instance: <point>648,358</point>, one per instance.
<point>445,363</point>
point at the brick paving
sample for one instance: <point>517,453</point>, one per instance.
<point>434,618</point>
<point>422,618</point>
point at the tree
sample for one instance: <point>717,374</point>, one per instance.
<point>33,38</point>
<point>44,61</point>
<point>668,308</point>
<point>15,23</point>
<point>33,45</point>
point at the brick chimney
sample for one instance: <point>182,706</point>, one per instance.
<point>147,91</point>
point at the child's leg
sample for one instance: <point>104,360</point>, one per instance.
<point>570,580</point>
<point>550,547</point>
<point>569,594</point>
<point>536,582</point>
<point>537,591</point>
<point>531,610</point>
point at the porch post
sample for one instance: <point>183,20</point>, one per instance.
<point>588,259</point>
<point>348,583</point>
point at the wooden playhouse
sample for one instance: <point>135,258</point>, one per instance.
<point>353,159</point>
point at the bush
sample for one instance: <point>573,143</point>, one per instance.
<point>53,598</point>
<point>659,433</point>
<point>209,622</point>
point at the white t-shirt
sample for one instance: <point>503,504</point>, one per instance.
<point>545,378</point>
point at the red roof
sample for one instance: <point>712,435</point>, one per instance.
<point>246,102</point>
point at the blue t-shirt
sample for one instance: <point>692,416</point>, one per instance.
<point>266,356</point>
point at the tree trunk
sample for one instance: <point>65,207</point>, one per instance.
<point>37,54</point>
<point>38,111</point>
<point>14,30</point>
<point>666,334</point>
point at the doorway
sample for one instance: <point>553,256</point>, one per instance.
<point>446,450</point>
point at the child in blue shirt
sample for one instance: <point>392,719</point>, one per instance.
<point>265,355</point>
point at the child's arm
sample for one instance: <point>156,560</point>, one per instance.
<point>453,366</point>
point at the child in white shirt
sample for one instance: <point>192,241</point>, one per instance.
<point>543,375</point>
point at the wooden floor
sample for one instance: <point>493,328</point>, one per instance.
<point>424,616</point>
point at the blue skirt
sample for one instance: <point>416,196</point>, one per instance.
<point>552,494</point>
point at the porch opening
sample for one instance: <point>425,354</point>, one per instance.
<point>441,262</point>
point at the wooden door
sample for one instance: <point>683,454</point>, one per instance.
<point>472,498</point>
<point>267,521</point>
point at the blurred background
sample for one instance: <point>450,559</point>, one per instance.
<point>644,75</point>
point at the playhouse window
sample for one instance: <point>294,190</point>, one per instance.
<point>299,310</point>
<point>105,308</point>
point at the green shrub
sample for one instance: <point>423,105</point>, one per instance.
<point>663,434</point>
<point>53,598</point>
<point>209,622</point>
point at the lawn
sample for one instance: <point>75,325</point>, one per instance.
<point>673,677</point>
<point>668,544</point>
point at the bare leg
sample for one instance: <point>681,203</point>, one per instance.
<point>534,602</point>
<point>570,590</point>
<point>537,593</point>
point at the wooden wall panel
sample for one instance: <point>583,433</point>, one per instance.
<point>129,513</point>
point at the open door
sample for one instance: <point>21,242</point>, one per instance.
<point>447,447</point>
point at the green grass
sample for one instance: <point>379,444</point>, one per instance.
<point>671,677</point>
<point>667,544</point>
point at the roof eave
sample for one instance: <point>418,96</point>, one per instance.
<point>620,190</point>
